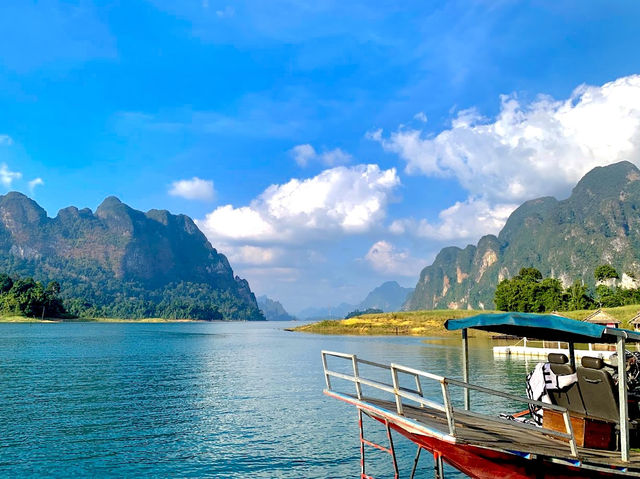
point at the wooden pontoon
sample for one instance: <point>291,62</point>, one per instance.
<point>479,444</point>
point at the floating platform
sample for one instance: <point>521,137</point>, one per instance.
<point>542,353</point>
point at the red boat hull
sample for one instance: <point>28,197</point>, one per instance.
<point>483,463</point>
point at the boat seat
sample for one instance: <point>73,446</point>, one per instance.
<point>569,397</point>
<point>599,393</point>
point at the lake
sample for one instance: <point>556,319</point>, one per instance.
<point>228,400</point>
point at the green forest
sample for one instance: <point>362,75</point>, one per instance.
<point>31,298</point>
<point>27,297</point>
<point>529,292</point>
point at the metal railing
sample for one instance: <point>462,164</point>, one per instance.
<point>416,395</point>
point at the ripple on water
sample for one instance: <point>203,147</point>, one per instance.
<point>194,400</point>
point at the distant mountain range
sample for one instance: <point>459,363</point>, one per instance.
<point>122,262</point>
<point>389,296</point>
<point>273,310</point>
<point>598,224</point>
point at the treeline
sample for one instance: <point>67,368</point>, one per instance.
<point>92,292</point>
<point>25,296</point>
<point>357,312</point>
<point>529,292</point>
<point>184,300</point>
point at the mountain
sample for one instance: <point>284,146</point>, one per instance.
<point>273,310</point>
<point>598,224</point>
<point>122,262</point>
<point>327,312</point>
<point>389,296</point>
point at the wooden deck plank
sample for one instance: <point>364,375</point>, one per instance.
<point>479,431</point>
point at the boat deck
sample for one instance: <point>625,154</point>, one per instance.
<point>482,432</point>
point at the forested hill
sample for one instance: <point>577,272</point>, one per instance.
<point>273,310</point>
<point>120,262</point>
<point>598,224</point>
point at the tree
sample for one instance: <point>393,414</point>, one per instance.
<point>530,274</point>
<point>604,272</point>
<point>5,283</point>
<point>578,297</point>
<point>607,297</point>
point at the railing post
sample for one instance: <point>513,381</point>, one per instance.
<point>569,427</point>
<point>465,368</point>
<point>448,407</point>
<point>419,388</point>
<point>356,376</point>
<point>325,367</point>
<point>622,399</point>
<point>396,388</point>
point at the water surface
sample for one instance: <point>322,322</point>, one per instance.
<point>199,400</point>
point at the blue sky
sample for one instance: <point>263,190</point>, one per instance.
<point>323,146</point>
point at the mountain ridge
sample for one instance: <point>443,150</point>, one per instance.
<point>389,296</point>
<point>566,239</point>
<point>121,261</point>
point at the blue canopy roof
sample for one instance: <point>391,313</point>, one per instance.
<point>541,326</point>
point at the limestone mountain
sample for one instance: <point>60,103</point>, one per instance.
<point>389,296</point>
<point>273,310</point>
<point>122,262</point>
<point>598,224</point>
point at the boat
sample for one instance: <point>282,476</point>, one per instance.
<point>593,440</point>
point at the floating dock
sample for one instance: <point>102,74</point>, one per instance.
<point>542,353</point>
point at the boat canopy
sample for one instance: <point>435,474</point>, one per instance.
<point>549,327</point>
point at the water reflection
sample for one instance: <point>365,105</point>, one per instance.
<point>202,400</point>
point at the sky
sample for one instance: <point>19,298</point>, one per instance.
<point>323,147</point>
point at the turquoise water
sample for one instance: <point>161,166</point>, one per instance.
<point>197,400</point>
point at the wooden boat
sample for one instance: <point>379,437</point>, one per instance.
<point>571,443</point>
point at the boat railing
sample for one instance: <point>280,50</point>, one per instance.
<point>446,406</point>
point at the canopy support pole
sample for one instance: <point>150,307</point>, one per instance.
<point>622,399</point>
<point>572,355</point>
<point>465,368</point>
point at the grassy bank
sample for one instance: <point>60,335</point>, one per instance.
<point>428,323</point>
<point>25,319</point>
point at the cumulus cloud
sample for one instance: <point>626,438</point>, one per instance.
<point>255,255</point>
<point>35,182</point>
<point>385,258</point>
<point>7,176</point>
<point>193,189</point>
<point>343,200</point>
<point>542,148</point>
<point>304,154</point>
<point>6,140</point>
<point>467,220</point>
<point>527,151</point>
<point>420,116</point>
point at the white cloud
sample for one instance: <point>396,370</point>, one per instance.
<point>226,13</point>
<point>7,176</point>
<point>193,189</point>
<point>384,258</point>
<point>35,182</point>
<point>303,154</point>
<point>527,151</point>
<point>420,116</point>
<point>255,255</point>
<point>306,153</point>
<point>6,140</point>
<point>344,200</point>
<point>466,220</point>
<point>542,148</point>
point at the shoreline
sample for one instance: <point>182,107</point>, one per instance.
<point>22,319</point>
<point>428,323</point>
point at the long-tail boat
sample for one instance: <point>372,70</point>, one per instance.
<point>586,430</point>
